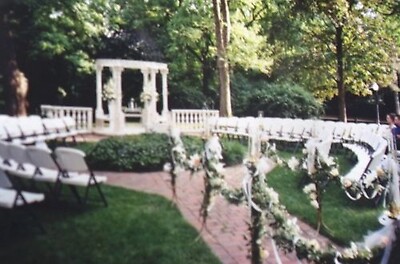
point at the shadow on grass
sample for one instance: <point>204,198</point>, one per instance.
<point>134,228</point>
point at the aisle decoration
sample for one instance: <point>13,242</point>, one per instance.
<point>178,160</point>
<point>319,169</point>
<point>268,217</point>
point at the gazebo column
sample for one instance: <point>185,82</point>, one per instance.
<point>165,111</point>
<point>154,95</point>
<point>99,107</point>
<point>118,118</point>
<point>146,119</point>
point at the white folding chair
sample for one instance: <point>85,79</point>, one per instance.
<point>12,198</point>
<point>20,164</point>
<point>14,132</point>
<point>76,172</point>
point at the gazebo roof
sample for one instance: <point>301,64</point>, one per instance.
<point>131,64</point>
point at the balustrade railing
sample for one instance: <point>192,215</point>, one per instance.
<point>192,121</point>
<point>83,116</point>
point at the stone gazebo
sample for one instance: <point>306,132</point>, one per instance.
<point>150,118</point>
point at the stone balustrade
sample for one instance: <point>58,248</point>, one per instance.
<point>83,116</point>
<point>192,121</point>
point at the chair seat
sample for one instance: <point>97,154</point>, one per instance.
<point>47,175</point>
<point>81,179</point>
<point>8,196</point>
<point>26,174</point>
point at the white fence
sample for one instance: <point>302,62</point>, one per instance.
<point>192,121</point>
<point>83,115</point>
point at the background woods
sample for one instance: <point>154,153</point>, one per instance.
<point>221,54</point>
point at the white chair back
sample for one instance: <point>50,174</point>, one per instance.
<point>41,158</point>
<point>71,160</point>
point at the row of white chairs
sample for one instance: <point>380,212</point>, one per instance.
<point>362,179</point>
<point>294,129</point>
<point>63,167</point>
<point>369,142</point>
<point>31,129</point>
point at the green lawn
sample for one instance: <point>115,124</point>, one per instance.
<point>347,220</point>
<point>135,228</point>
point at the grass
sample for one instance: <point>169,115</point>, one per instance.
<point>135,228</point>
<point>340,214</point>
<point>142,228</point>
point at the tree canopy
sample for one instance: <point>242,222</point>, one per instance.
<point>330,48</point>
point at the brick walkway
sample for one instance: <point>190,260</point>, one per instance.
<point>226,225</point>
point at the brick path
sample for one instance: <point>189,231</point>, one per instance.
<point>226,225</point>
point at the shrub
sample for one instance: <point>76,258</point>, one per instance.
<point>193,145</point>
<point>284,100</point>
<point>233,152</point>
<point>148,152</point>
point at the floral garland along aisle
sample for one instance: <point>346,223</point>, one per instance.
<point>266,210</point>
<point>178,160</point>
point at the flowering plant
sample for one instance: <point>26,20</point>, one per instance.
<point>108,92</point>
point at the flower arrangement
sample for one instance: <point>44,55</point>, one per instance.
<point>178,159</point>
<point>372,184</point>
<point>108,93</point>
<point>319,169</point>
<point>146,96</point>
<point>214,181</point>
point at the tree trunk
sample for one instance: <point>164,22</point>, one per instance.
<point>222,30</point>
<point>340,74</point>
<point>15,83</point>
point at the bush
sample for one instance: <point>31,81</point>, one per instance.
<point>233,152</point>
<point>193,145</point>
<point>146,152</point>
<point>284,100</point>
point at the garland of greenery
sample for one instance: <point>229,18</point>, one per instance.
<point>266,210</point>
<point>265,205</point>
<point>178,160</point>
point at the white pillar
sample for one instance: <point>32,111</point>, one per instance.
<point>118,118</point>
<point>146,120</point>
<point>164,112</point>
<point>99,107</point>
<point>154,95</point>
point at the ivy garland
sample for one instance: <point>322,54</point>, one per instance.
<point>178,160</point>
<point>268,216</point>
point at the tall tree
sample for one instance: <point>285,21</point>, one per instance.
<point>222,33</point>
<point>341,46</point>
<point>192,46</point>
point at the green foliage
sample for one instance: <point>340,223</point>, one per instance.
<point>340,214</point>
<point>186,96</point>
<point>147,152</point>
<point>193,145</point>
<point>134,228</point>
<point>233,152</point>
<point>283,100</point>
